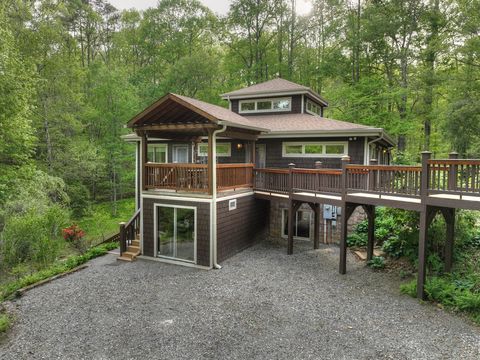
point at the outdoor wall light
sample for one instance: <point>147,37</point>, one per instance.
<point>239,146</point>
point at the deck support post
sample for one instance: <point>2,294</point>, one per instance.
<point>422,252</point>
<point>316,233</point>
<point>292,211</point>
<point>449,215</point>
<point>345,215</point>
<point>316,230</point>
<point>347,211</point>
<point>370,211</point>
<point>425,218</point>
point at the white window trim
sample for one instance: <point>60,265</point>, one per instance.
<point>285,215</point>
<point>218,154</point>
<point>321,143</point>
<point>311,112</point>
<point>166,152</point>
<point>256,101</point>
<point>155,232</point>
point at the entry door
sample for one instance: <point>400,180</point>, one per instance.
<point>260,155</point>
<point>176,232</point>
<point>180,154</point>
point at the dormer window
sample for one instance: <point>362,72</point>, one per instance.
<point>313,108</point>
<point>266,105</point>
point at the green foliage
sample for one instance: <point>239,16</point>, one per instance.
<point>377,262</point>
<point>5,322</point>
<point>409,288</point>
<point>34,237</point>
<point>8,290</point>
<point>101,223</point>
<point>356,240</point>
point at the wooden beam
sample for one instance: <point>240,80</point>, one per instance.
<point>143,156</point>
<point>179,127</point>
<point>211,162</point>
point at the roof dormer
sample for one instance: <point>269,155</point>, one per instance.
<point>277,96</point>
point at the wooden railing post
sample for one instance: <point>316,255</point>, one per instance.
<point>291,166</point>
<point>425,179</point>
<point>345,162</point>
<point>372,176</point>
<point>453,171</point>
<point>123,238</point>
<point>318,165</point>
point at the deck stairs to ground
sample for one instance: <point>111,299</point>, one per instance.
<point>133,250</point>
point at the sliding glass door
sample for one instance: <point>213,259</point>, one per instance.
<point>175,229</point>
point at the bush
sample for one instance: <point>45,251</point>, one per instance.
<point>34,236</point>
<point>377,262</point>
<point>356,240</point>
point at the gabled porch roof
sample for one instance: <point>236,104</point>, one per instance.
<point>176,114</point>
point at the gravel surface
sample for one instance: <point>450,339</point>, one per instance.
<point>263,304</point>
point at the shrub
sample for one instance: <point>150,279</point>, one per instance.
<point>377,262</point>
<point>409,288</point>
<point>74,235</point>
<point>33,237</point>
<point>356,240</point>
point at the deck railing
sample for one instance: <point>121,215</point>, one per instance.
<point>129,231</point>
<point>234,176</point>
<point>272,180</point>
<point>385,179</point>
<point>454,176</point>
<point>444,176</point>
<point>194,177</point>
<point>317,180</point>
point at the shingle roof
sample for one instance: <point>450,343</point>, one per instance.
<point>274,86</point>
<point>305,123</point>
<point>212,112</point>
<point>220,113</point>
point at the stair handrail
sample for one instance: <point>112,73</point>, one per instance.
<point>129,230</point>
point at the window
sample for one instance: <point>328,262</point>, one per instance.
<point>303,222</point>
<point>157,153</point>
<point>265,105</point>
<point>315,149</point>
<point>223,149</point>
<point>175,229</point>
<point>313,108</point>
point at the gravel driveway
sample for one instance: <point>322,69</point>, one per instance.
<point>263,304</point>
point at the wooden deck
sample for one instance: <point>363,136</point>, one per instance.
<point>437,186</point>
<point>450,183</point>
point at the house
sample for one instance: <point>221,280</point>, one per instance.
<point>211,180</point>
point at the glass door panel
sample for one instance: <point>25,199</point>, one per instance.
<point>185,237</point>
<point>166,231</point>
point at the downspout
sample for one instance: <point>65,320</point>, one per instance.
<point>213,208</point>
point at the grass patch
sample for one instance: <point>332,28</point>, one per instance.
<point>5,322</point>
<point>100,224</point>
<point>8,290</point>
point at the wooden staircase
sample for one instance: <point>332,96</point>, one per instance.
<point>132,252</point>
<point>130,238</point>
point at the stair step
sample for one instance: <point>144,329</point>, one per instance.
<point>130,254</point>
<point>136,243</point>
<point>124,258</point>
<point>134,249</point>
